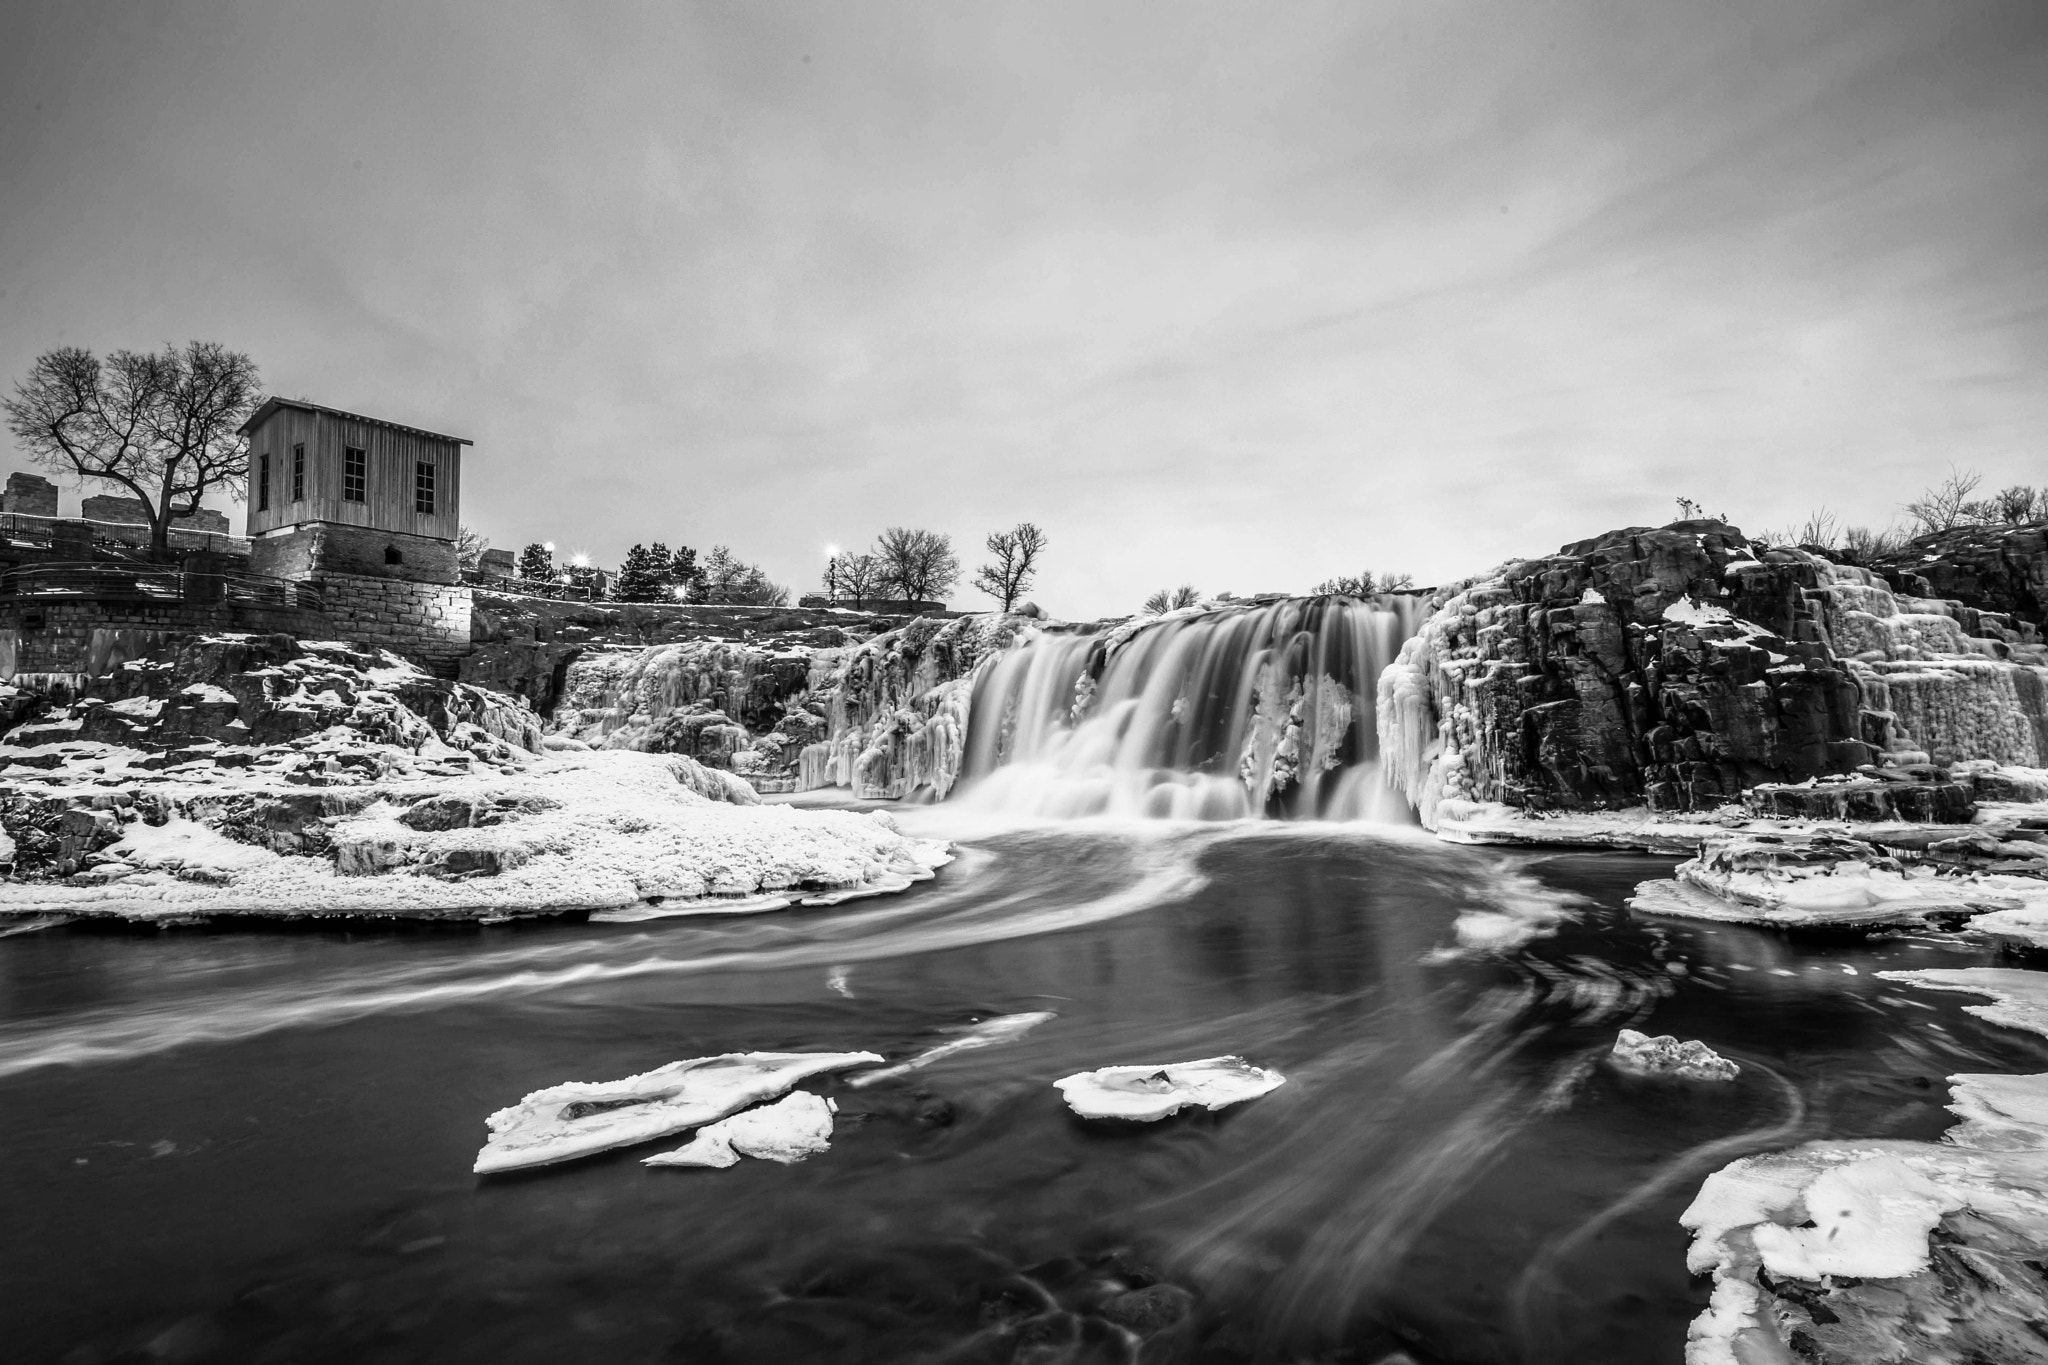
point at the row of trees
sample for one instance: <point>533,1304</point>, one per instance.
<point>654,573</point>
<point>1950,505</point>
<point>1343,585</point>
<point>912,565</point>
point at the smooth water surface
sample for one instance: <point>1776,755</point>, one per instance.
<point>253,1143</point>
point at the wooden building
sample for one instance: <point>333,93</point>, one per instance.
<point>338,492</point>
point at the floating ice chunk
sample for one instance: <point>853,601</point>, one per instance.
<point>788,1130</point>
<point>1000,1029</point>
<point>579,1118</point>
<point>1664,1055</point>
<point>1145,1093</point>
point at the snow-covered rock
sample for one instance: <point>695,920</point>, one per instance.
<point>579,1118</point>
<point>1642,1055</point>
<point>787,1131</point>
<point>1143,1094</point>
<point>1882,1252</point>
<point>1809,878</point>
<point>574,831</point>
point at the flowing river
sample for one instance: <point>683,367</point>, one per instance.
<point>254,1144</point>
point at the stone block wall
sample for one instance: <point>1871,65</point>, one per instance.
<point>428,622</point>
<point>322,548</point>
<point>71,636</point>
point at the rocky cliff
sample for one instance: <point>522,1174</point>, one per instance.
<point>886,716</point>
<point>1680,666</point>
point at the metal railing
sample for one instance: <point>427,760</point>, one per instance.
<point>141,582</point>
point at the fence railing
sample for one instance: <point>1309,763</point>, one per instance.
<point>143,582</point>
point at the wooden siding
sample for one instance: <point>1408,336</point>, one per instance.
<point>388,504</point>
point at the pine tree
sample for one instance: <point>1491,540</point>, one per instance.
<point>537,563</point>
<point>643,575</point>
<point>683,571</point>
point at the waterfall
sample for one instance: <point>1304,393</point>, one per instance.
<point>1211,713</point>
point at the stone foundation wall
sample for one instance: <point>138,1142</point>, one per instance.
<point>85,636</point>
<point>424,621</point>
<point>323,548</point>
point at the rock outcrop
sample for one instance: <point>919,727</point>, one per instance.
<point>1679,667</point>
<point>885,717</point>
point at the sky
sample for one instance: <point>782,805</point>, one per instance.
<point>1242,296</point>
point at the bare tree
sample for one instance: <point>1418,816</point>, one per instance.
<point>919,565</point>
<point>1016,554</point>
<point>725,577</point>
<point>2020,504</point>
<point>470,546</point>
<point>166,427</point>
<point>1161,602</point>
<point>860,577</point>
<point>1946,505</point>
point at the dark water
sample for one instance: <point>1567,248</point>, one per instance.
<point>254,1144</point>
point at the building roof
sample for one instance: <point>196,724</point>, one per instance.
<point>271,405</point>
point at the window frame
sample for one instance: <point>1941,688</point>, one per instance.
<point>355,474</point>
<point>425,488</point>
<point>299,472</point>
<point>263,482</point>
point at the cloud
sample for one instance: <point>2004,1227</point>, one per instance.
<point>1239,296</point>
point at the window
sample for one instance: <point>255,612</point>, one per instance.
<point>298,473</point>
<point>423,487</point>
<point>393,555</point>
<point>355,467</point>
<point>263,483</point>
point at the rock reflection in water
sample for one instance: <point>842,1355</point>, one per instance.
<point>1446,1174</point>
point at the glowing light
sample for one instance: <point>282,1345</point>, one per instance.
<point>549,547</point>
<point>580,560</point>
<point>831,552</point>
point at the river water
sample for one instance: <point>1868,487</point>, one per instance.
<point>254,1144</point>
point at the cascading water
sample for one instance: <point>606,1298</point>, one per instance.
<point>1211,715</point>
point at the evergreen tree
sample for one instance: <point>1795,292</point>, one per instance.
<point>643,575</point>
<point>537,563</point>
<point>684,571</point>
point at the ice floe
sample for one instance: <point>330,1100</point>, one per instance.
<point>1890,1251</point>
<point>2021,996</point>
<point>579,1118</point>
<point>1145,1093</point>
<point>603,831</point>
<point>792,1128</point>
<point>1001,1029</point>
<point>1642,1055</point>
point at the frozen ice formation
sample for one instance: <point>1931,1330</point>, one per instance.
<point>1664,1055</point>
<point>1002,1028</point>
<point>2021,996</point>
<point>579,1118</point>
<point>1889,1251</point>
<point>1145,1093</point>
<point>792,1128</point>
<point>602,831</point>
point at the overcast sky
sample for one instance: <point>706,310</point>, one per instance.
<point>1239,295</point>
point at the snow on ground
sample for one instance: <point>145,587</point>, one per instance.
<point>579,1118</point>
<point>792,1128</point>
<point>592,831</point>
<point>1642,1055</point>
<point>1144,1094</point>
